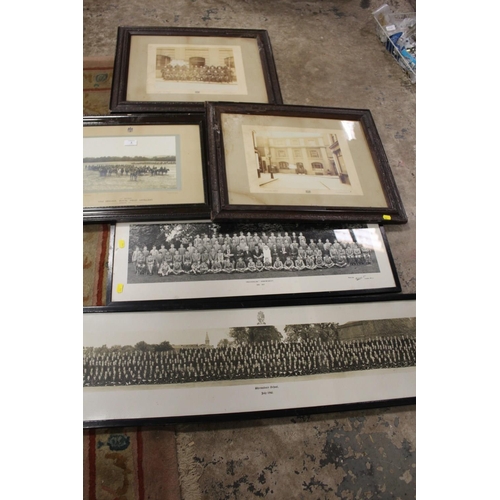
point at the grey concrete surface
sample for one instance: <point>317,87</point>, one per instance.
<point>327,54</point>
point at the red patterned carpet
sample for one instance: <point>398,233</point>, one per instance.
<point>97,77</point>
<point>95,263</point>
<point>130,464</point>
<point>137,463</point>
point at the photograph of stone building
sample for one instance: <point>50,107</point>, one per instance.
<point>300,153</point>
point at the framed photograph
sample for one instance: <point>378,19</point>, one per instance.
<point>144,167</point>
<point>176,365</point>
<point>298,162</point>
<point>158,69</point>
<point>200,265</point>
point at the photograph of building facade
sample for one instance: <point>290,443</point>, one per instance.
<point>318,155</point>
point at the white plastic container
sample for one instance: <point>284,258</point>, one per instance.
<point>403,44</point>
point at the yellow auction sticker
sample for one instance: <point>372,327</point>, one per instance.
<point>386,217</point>
<point>119,288</point>
<point>121,243</point>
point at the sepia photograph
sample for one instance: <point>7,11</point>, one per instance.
<point>195,260</point>
<point>299,162</point>
<point>196,69</point>
<point>179,69</point>
<point>291,160</point>
<point>250,353</point>
<point>143,167</point>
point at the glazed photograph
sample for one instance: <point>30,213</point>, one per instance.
<point>251,359</point>
<point>215,259</point>
<point>176,68</point>
<point>272,162</point>
<point>142,166</point>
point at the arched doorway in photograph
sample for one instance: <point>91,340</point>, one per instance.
<point>197,61</point>
<point>333,169</point>
<point>318,167</point>
<point>162,61</point>
<point>283,165</point>
<point>300,168</point>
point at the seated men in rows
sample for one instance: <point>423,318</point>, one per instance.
<point>240,265</point>
<point>299,264</point>
<point>150,264</point>
<point>251,266</point>
<point>164,268</point>
<point>140,264</point>
<point>228,266</point>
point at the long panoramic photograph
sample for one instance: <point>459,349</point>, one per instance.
<point>254,352</point>
<point>144,364</point>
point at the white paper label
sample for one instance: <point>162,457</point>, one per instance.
<point>130,142</point>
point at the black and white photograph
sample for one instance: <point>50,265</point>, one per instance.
<point>196,69</point>
<point>208,259</point>
<point>254,352</point>
<point>261,350</point>
<point>115,165</point>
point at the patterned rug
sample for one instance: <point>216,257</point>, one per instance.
<point>122,463</point>
<point>97,77</point>
<point>130,464</point>
<point>95,263</point>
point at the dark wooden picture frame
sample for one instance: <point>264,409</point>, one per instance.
<point>349,179</point>
<point>178,192</point>
<point>157,284</point>
<point>347,353</point>
<point>141,82</point>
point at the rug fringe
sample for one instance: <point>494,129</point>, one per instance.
<point>189,474</point>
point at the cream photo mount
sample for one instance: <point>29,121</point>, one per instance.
<point>287,162</point>
<point>173,68</point>
<point>145,167</point>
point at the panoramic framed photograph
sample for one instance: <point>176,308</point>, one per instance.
<point>158,69</point>
<point>170,365</point>
<point>206,264</point>
<point>144,167</point>
<point>299,162</point>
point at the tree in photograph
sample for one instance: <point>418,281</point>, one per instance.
<point>185,233</point>
<point>322,331</point>
<point>165,234</point>
<point>104,349</point>
<point>239,334</point>
<point>143,346</point>
<point>145,235</point>
<point>163,346</point>
<point>224,343</point>
<point>255,334</point>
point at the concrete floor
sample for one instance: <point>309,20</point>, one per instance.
<point>327,54</point>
